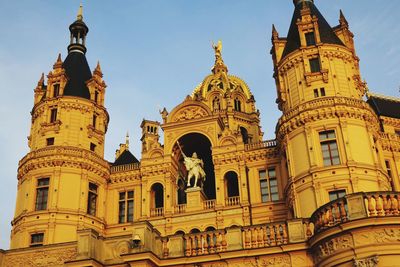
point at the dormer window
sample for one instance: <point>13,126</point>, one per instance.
<point>96,97</point>
<point>310,38</point>
<point>56,90</point>
<point>238,104</point>
<point>315,66</point>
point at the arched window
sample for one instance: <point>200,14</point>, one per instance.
<point>216,103</point>
<point>157,199</point>
<point>232,186</point>
<point>238,104</point>
<point>245,135</point>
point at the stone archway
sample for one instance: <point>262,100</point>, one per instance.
<point>199,143</point>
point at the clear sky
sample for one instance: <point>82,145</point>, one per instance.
<point>155,52</point>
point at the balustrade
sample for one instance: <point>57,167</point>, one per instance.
<point>233,201</point>
<point>356,206</point>
<point>263,144</point>
<point>156,212</point>
<point>265,235</point>
<point>205,243</point>
<point>209,204</point>
<point>181,208</point>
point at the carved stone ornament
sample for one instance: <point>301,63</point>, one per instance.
<point>190,113</point>
<point>39,257</point>
<point>366,262</point>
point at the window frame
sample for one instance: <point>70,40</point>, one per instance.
<point>313,40</point>
<point>50,141</point>
<point>329,141</point>
<point>42,193</point>
<point>315,64</point>
<point>269,195</point>
<point>39,243</point>
<point>53,114</point>
<point>56,90</point>
<point>93,195</point>
<point>128,214</point>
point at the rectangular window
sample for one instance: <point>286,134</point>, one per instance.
<point>315,65</point>
<point>94,119</point>
<point>56,90</point>
<point>310,38</point>
<point>37,239</point>
<point>53,115</point>
<point>333,195</point>
<point>92,147</point>
<point>42,192</point>
<point>50,141</point>
<point>316,94</point>
<point>92,199</point>
<point>96,96</point>
<point>125,207</point>
<point>330,152</point>
<point>322,90</point>
<point>268,185</point>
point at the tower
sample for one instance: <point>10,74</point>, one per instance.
<point>60,178</point>
<point>326,125</point>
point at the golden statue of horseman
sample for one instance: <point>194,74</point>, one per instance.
<point>195,168</point>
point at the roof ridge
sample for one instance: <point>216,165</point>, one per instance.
<point>390,98</point>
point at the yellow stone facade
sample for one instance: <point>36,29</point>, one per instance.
<point>323,193</point>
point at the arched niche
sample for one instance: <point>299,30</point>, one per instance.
<point>199,143</point>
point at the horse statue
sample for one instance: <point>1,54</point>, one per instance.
<point>195,168</point>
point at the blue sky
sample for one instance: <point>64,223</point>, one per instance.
<point>153,53</point>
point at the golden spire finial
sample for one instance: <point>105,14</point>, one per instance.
<point>219,62</point>
<point>127,140</point>
<point>80,13</point>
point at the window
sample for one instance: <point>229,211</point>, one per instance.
<point>316,94</point>
<point>42,192</point>
<point>56,90</point>
<point>268,185</point>
<point>50,141</point>
<point>397,132</point>
<point>314,65</point>
<point>238,104</point>
<point>333,195</point>
<point>321,92</point>
<point>92,147</point>
<point>96,96</point>
<point>216,103</point>
<point>125,207</point>
<point>94,119</point>
<point>310,38</point>
<point>92,199</point>
<point>330,153</point>
<point>37,239</point>
<point>53,115</point>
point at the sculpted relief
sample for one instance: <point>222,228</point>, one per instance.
<point>188,113</point>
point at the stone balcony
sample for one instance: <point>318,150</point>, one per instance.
<point>360,227</point>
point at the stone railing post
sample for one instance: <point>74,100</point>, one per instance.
<point>296,231</point>
<point>356,207</point>
<point>88,244</point>
<point>175,246</point>
<point>234,238</point>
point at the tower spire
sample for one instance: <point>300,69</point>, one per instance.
<point>80,13</point>
<point>78,31</point>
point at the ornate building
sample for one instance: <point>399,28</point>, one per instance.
<point>323,193</point>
